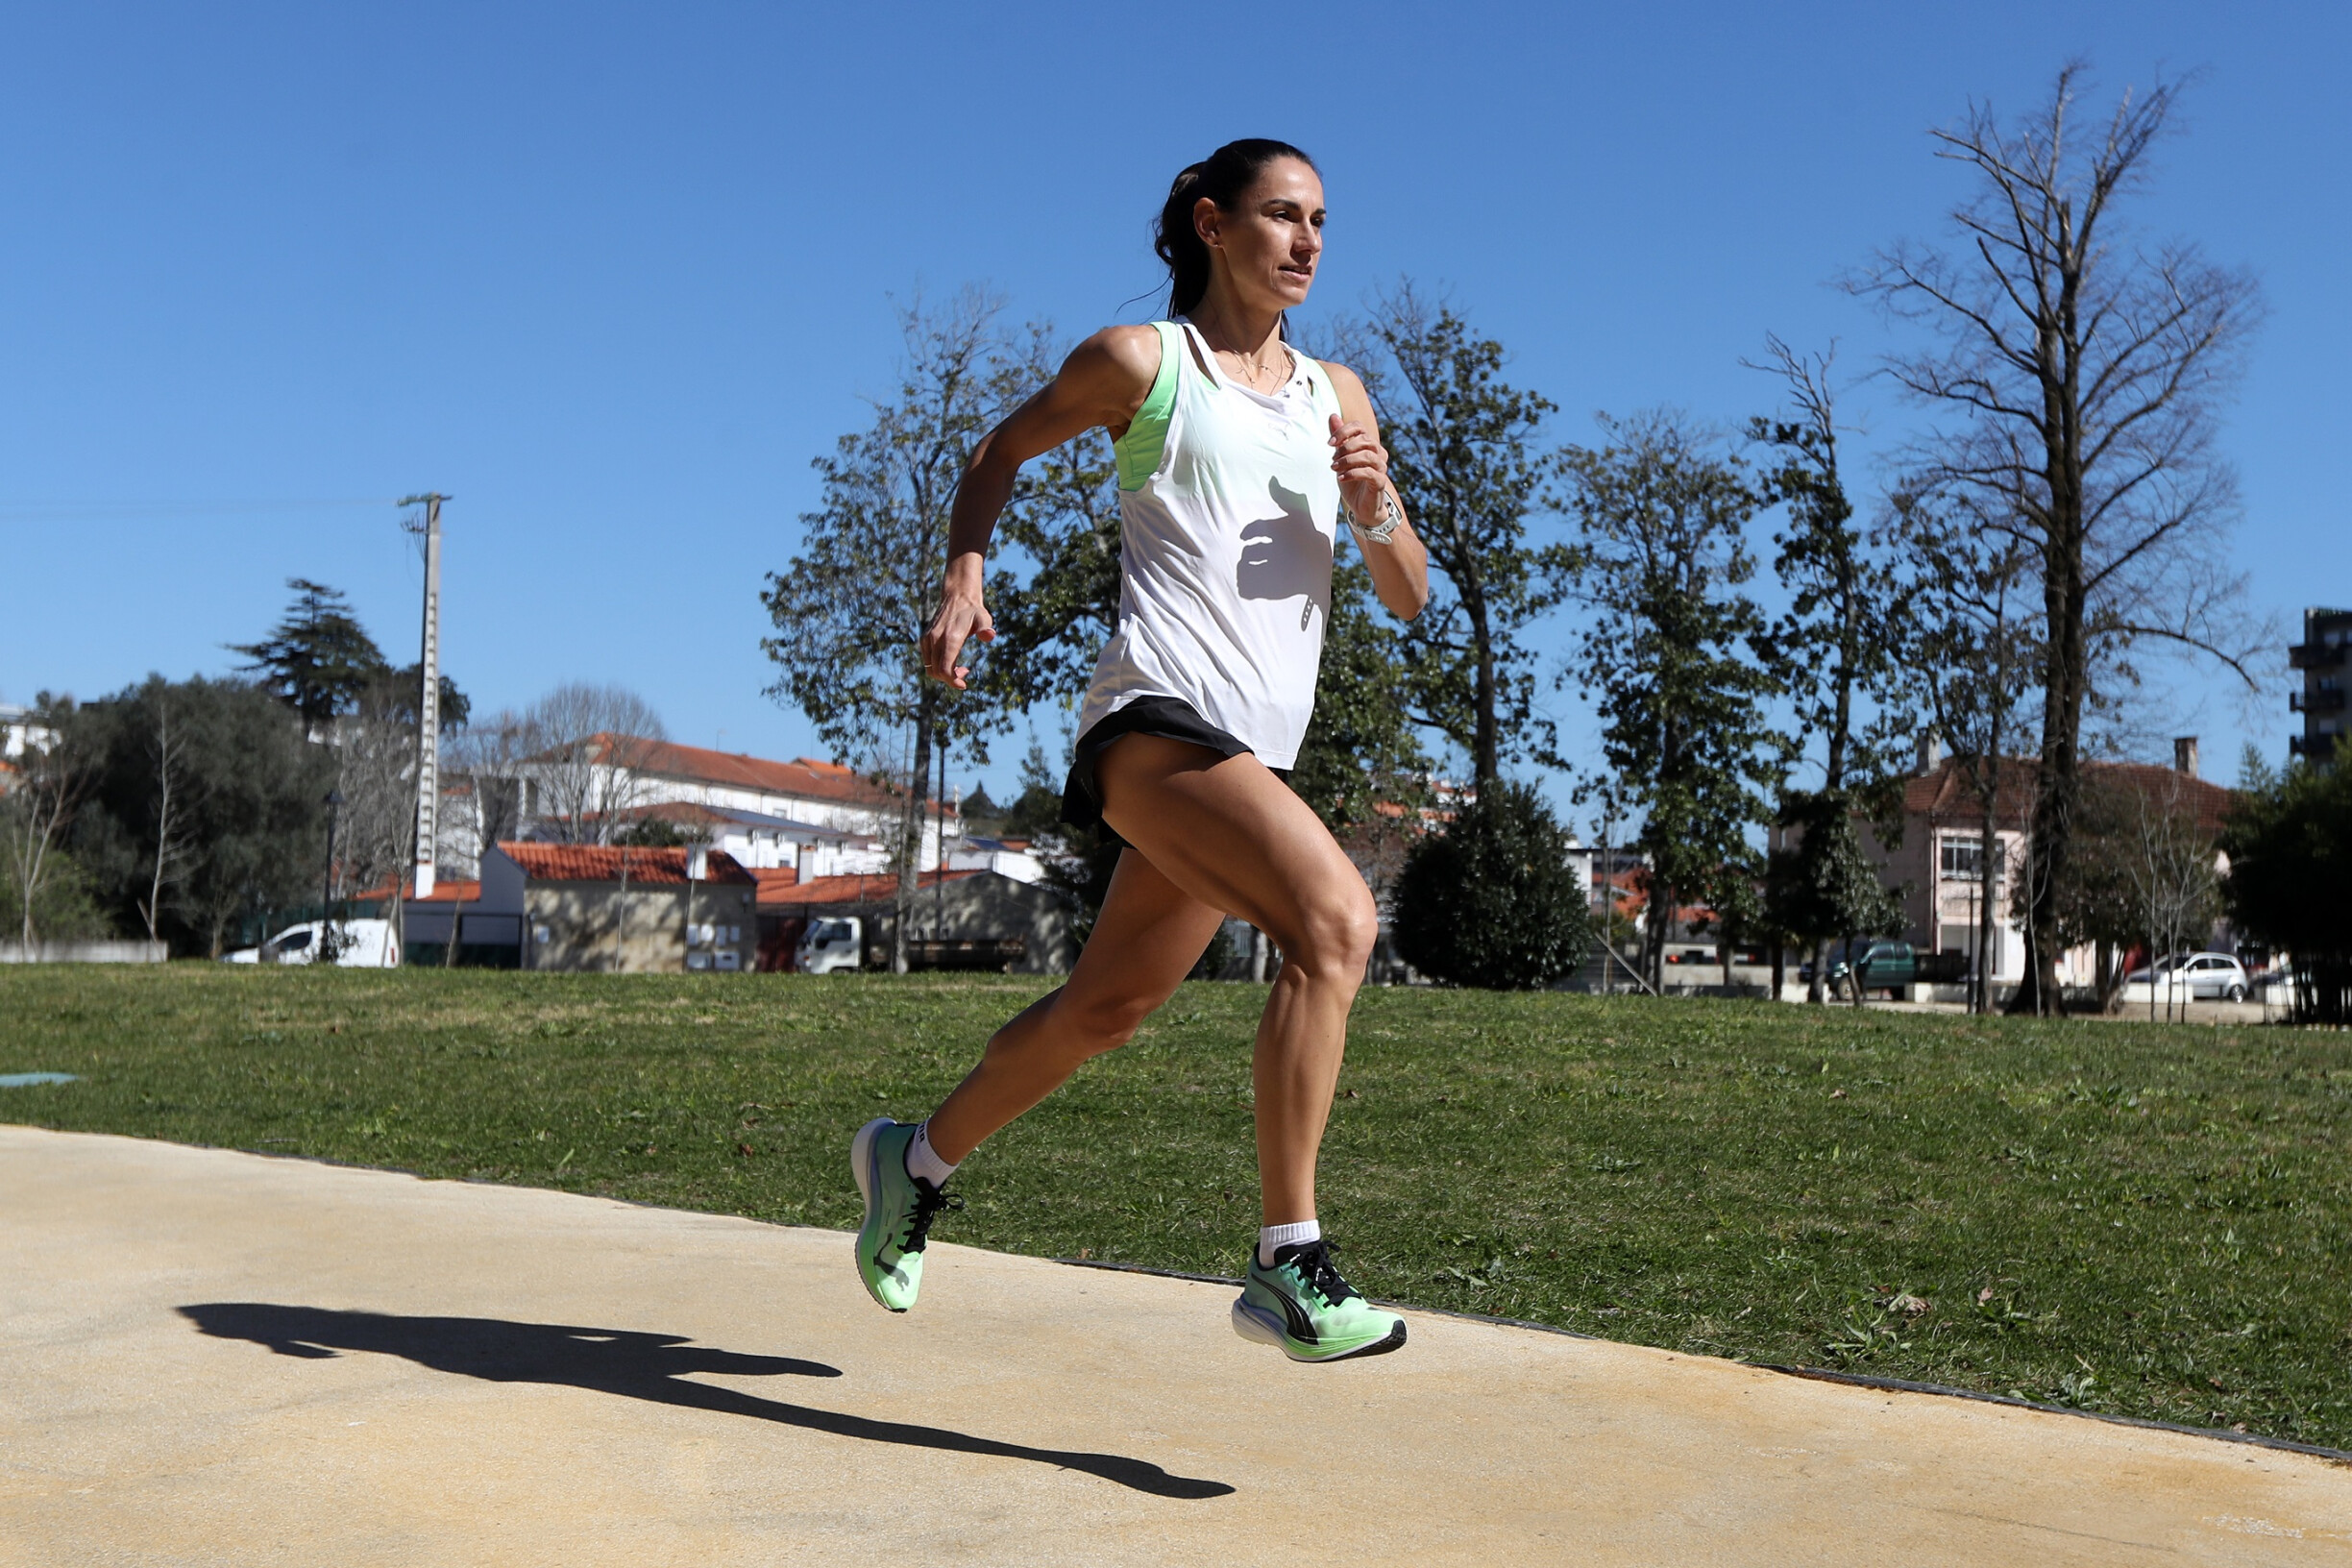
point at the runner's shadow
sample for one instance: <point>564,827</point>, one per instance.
<point>1286,556</point>
<point>647,1366</point>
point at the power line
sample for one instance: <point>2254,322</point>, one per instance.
<point>127,511</point>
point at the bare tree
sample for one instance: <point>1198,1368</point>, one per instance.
<point>1976,631</point>
<point>490,758</point>
<point>51,779</point>
<point>172,851</point>
<point>588,773</point>
<point>2171,870</point>
<point>376,773</point>
<point>2084,370</point>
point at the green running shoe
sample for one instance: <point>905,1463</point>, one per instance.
<point>1304,1309</point>
<point>899,1209</point>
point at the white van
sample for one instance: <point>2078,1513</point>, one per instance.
<point>359,944</point>
<point>830,944</point>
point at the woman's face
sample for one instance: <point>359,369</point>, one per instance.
<point>1272,237</point>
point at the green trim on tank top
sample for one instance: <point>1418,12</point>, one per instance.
<point>1145,442</point>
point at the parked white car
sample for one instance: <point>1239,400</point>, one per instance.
<point>2190,977</point>
<point>359,944</point>
<point>830,944</point>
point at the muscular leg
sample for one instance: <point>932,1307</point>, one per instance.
<point>1210,834</point>
<point>1230,834</point>
<point>1148,938</point>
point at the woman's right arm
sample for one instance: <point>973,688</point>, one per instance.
<point>1104,381</point>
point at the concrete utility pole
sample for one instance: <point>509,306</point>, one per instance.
<point>428,704</point>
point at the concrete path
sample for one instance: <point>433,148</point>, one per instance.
<point>216,1358</point>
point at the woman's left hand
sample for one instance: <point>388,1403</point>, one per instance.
<point>1361,464</point>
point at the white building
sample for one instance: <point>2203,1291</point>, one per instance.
<point>1016,858</point>
<point>821,819</point>
<point>18,730</point>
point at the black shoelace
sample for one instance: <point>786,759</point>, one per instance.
<point>1315,1266</point>
<point>929,1200</point>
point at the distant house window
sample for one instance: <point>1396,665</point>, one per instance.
<point>1963,860</point>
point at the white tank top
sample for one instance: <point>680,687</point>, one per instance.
<point>1225,555</point>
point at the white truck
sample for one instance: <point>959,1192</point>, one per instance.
<point>838,943</point>
<point>359,945</point>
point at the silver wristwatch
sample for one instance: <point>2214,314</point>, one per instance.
<point>1386,529</point>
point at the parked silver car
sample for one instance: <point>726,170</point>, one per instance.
<point>2187,978</point>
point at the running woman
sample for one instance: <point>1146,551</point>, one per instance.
<point>1238,461</point>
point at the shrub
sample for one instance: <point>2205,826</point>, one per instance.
<point>2289,846</point>
<point>1491,901</point>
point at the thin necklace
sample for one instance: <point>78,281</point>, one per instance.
<point>1252,369</point>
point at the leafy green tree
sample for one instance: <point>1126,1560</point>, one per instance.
<point>849,610</point>
<point>1461,452</point>
<point>1836,653</point>
<point>1491,900</point>
<point>397,692</point>
<point>1822,885</point>
<point>247,833</point>
<point>1054,592</point>
<point>2290,845</point>
<point>1360,748</point>
<point>64,907</point>
<point>661,833</point>
<point>1736,912</point>
<point>1035,812</point>
<point>319,660</point>
<point>1838,650</point>
<point>1667,655</point>
<point>982,815</point>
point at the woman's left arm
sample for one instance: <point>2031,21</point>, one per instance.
<point>1369,503</point>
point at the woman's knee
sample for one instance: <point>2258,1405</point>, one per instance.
<point>1101,1023</point>
<point>1338,925</point>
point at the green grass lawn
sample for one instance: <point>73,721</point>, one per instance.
<point>2140,1219</point>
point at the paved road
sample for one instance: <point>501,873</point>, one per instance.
<point>217,1358</point>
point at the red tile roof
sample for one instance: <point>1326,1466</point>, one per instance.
<point>601,863</point>
<point>803,776</point>
<point>778,892</point>
<point>446,890</point>
<point>1945,792</point>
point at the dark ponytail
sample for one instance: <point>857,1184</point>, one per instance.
<point>1224,176</point>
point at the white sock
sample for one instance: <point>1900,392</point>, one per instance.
<point>923,1160</point>
<point>1270,1236</point>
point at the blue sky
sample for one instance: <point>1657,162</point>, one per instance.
<point>611,276</point>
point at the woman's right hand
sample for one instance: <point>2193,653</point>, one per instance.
<point>960,617</point>
<point>1103,382</point>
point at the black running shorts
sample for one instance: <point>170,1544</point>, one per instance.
<point>1166,715</point>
